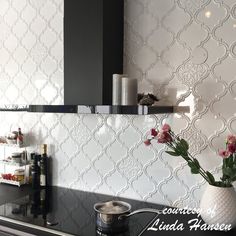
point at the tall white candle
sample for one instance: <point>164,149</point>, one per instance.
<point>129,91</point>
<point>116,89</point>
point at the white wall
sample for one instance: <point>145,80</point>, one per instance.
<point>184,51</point>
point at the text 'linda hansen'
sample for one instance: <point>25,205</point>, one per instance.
<point>193,224</point>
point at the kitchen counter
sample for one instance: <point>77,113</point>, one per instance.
<point>60,211</point>
<point>10,192</point>
<point>64,212</point>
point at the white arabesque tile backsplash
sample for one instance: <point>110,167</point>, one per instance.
<point>184,51</point>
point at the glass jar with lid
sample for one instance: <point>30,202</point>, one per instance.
<point>19,175</point>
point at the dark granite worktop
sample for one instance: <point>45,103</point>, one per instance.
<point>9,192</point>
<point>71,213</point>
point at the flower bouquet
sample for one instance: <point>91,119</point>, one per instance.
<point>219,196</point>
<point>180,147</point>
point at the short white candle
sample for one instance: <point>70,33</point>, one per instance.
<point>116,89</point>
<point>129,91</point>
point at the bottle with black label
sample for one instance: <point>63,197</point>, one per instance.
<point>43,166</point>
<point>35,171</point>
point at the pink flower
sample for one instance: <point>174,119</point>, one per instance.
<point>166,128</point>
<point>154,132</point>
<point>147,142</point>
<point>231,148</point>
<point>164,137</point>
<point>224,153</point>
<point>231,139</point>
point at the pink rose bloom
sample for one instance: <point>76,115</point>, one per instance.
<point>147,142</point>
<point>164,137</point>
<point>166,128</point>
<point>154,132</point>
<point>224,153</point>
<point>231,148</point>
<point>231,139</point>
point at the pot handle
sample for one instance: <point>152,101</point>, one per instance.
<point>143,210</point>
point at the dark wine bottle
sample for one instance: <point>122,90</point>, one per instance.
<point>35,171</point>
<point>43,166</point>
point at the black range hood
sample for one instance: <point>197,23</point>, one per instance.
<point>93,52</point>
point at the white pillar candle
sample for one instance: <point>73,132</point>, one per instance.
<point>116,89</point>
<point>129,91</point>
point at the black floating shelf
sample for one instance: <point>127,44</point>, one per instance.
<point>96,109</point>
<point>14,108</point>
<point>53,108</point>
<point>106,109</point>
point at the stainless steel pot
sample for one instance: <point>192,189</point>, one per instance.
<point>113,216</point>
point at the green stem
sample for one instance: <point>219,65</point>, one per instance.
<point>202,172</point>
<point>172,145</point>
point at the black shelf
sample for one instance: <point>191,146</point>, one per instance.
<point>103,109</point>
<point>95,109</point>
<point>53,108</point>
<point>14,108</point>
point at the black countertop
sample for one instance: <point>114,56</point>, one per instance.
<point>9,192</point>
<point>71,212</point>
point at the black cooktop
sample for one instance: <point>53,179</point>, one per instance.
<point>70,211</point>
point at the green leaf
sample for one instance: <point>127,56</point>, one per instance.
<point>172,153</point>
<point>234,178</point>
<point>224,178</point>
<point>221,184</point>
<point>186,157</point>
<point>228,171</point>
<point>226,162</point>
<point>210,177</point>
<point>194,169</point>
<point>196,163</point>
<point>233,175</point>
<point>184,144</point>
<point>180,149</point>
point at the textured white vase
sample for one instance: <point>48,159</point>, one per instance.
<point>218,205</point>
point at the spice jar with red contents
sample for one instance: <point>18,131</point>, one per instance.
<point>8,177</point>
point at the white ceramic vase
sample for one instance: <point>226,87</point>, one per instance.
<point>218,205</point>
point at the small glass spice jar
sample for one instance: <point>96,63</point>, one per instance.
<point>16,157</point>
<point>19,175</point>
